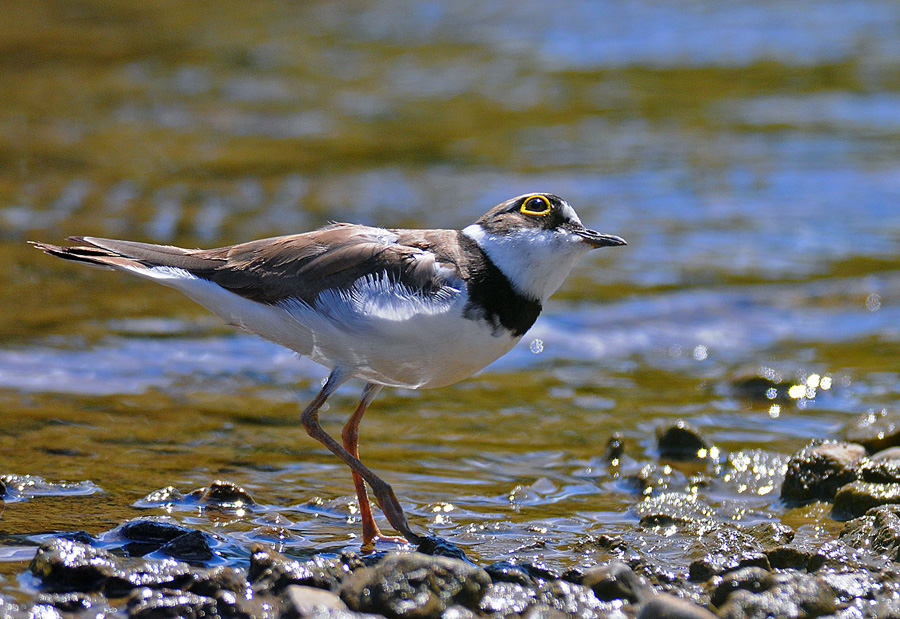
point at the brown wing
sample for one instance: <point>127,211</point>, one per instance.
<point>296,266</point>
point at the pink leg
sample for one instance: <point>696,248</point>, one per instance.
<point>350,436</point>
<point>383,492</point>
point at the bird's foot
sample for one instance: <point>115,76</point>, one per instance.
<point>371,539</point>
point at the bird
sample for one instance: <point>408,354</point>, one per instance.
<point>410,308</point>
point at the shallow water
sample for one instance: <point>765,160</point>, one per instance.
<point>748,152</point>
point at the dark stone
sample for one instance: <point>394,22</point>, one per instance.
<point>714,564</point>
<point>192,547</point>
<point>817,471</point>
<point>878,529</point>
<point>2,488</point>
<point>856,498</point>
<point>680,442</point>
<point>792,594</point>
<point>504,571</point>
<point>541,572</point>
<point>415,586</point>
<point>875,430</point>
<point>666,606</point>
<point>162,533</point>
<point>790,556</point>
<point>752,579</point>
<point>879,469</point>
<point>616,581</point>
<point>439,547</point>
<point>65,565</point>
<point>272,572</point>
<point>223,494</point>
<point>770,535</point>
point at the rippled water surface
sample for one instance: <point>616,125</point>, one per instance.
<point>748,152</point>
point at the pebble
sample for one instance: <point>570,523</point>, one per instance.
<point>817,471</point>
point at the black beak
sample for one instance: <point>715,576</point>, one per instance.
<point>595,239</point>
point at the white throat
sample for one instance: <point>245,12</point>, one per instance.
<point>536,261</point>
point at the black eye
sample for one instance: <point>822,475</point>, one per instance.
<point>535,205</point>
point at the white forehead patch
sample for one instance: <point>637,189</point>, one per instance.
<point>569,213</point>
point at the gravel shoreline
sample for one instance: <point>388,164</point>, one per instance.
<point>157,567</point>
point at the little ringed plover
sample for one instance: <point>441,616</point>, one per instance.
<point>396,308</point>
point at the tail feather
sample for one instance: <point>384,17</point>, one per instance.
<point>113,253</point>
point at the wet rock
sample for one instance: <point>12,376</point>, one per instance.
<point>503,599</point>
<point>856,498</point>
<point>878,529</point>
<point>853,586</point>
<point>504,571</point>
<point>680,442</point>
<point>838,556</point>
<point>272,572</point>
<point>770,535</point>
<point>570,599</point>
<point>162,534</point>
<point>415,586</point>
<point>616,581</point>
<point>666,606</point>
<point>881,468</point>
<point>713,564</point>
<point>875,430</point>
<point>790,556</point>
<point>66,565</point>
<point>146,603</point>
<point>615,448</point>
<point>300,601</point>
<point>2,488</point>
<point>540,572</point>
<point>752,579</point>
<point>439,547</point>
<point>817,471</point>
<point>223,494</point>
<point>791,594</point>
<point>74,602</point>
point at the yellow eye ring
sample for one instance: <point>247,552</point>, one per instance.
<point>531,205</point>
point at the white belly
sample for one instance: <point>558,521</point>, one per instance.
<point>377,331</point>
